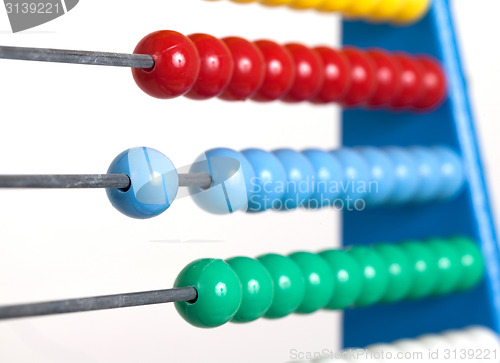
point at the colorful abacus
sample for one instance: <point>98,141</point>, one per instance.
<point>394,11</point>
<point>417,286</point>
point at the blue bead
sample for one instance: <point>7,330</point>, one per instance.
<point>269,182</point>
<point>382,178</point>
<point>406,174</point>
<point>429,173</point>
<point>232,177</point>
<point>452,172</point>
<point>300,175</point>
<point>153,183</point>
<point>328,178</point>
<point>356,174</point>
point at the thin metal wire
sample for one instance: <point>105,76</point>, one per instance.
<point>120,181</point>
<point>98,303</point>
<point>77,57</point>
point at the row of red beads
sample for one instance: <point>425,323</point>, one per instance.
<point>201,66</point>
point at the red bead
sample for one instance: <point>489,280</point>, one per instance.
<point>434,84</point>
<point>337,72</point>
<point>216,67</point>
<point>249,69</point>
<point>388,75</point>
<point>280,71</point>
<point>363,79</point>
<point>411,81</point>
<point>309,75</point>
<point>176,64</point>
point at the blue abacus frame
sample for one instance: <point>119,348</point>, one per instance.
<point>469,214</point>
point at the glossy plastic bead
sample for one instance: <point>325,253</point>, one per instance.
<point>412,11</point>
<point>318,278</point>
<point>257,288</point>
<point>400,271</point>
<point>269,183</point>
<point>153,183</point>
<point>305,4</point>
<point>406,175</point>
<point>275,2</point>
<point>448,266</point>
<point>471,262</point>
<point>363,78</point>
<point>309,75</point>
<point>348,278</point>
<point>411,81</point>
<point>382,175</point>
<point>249,69</point>
<point>232,181</point>
<point>176,68</point>
<point>375,275</point>
<point>433,83</point>
<point>219,293</point>
<point>280,71</point>
<point>328,178</point>
<point>361,8</point>
<point>356,173</point>
<point>386,9</point>
<point>337,72</point>
<point>425,274</point>
<point>300,175</point>
<point>334,5</point>
<point>452,172</point>
<point>216,67</point>
<point>288,282</point>
<point>428,173</point>
<point>388,75</point>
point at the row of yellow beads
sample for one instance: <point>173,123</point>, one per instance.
<point>395,11</point>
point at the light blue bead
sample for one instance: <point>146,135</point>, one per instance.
<point>406,174</point>
<point>382,178</point>
<point>356,174</point>
<point>452,172</point>
<point>328,178</point>
<point>232,177</point>
<point>429,173</point>
<point>268,185</point>
<point>153,183</point>
<point>300,174</point>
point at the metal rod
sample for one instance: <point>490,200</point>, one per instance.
<point>77,57</point>
<point>98,303</point>
<point>120,181</point>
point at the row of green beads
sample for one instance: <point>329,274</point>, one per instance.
<point>242,289</point>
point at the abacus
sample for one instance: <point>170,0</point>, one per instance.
<point>407,128</point>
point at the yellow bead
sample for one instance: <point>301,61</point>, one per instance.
<point>305,4</point>
<point>361,8</point>
<point>243,1</point>
<point>334,5</point>
<point>275,2</point>
<point>387,9</point>
<point>412,11</point>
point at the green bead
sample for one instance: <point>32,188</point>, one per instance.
<point>347,275</point>
<point>400,271</point>
<point>257,288</point>
<point>288,282</point>
<point>424,263</point>
<point>219,293</point>
<point>375,276</point>
<point>318,278</point>
<point>471,262</point>
<point>448,266</point>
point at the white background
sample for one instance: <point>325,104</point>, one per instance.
<point>75,119</point>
